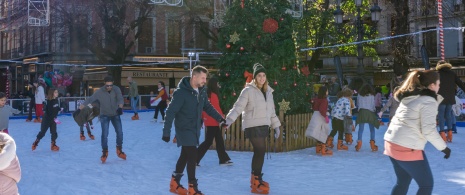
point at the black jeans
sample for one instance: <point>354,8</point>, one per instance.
<point>188,157</point>
<point>213,132</point>
<point>160,107</point>
<point>48,123</point>
<point>338,127</point>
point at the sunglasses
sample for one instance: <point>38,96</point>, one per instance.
<point>108,86</point>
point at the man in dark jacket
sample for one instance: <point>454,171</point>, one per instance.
<point>189,100</point>
<point>111,107</point>
<point>448,83</point>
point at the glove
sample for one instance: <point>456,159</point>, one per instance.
<point>119,111</point>
<point>380,114</point>
<point>276,132</point>
<point>447,152</point>
<point>223,124</point>
<point>57,121</point>
<point>166,139</point>
<point>327,119</point>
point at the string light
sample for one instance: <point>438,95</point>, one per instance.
<point>382,39</point>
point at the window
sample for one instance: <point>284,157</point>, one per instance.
<point>174,30</point>
<point>144,41</point>
<point>430,42</point>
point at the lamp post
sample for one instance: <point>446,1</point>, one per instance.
<point>375,16</point>
<point>190,54</point>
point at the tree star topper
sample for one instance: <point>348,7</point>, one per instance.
<point>234,37</point>
<point>284,106</point>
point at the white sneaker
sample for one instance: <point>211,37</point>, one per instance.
<point>162,121</point>
<point>154,120</point>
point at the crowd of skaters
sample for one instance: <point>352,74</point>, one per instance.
<point>192,100</point>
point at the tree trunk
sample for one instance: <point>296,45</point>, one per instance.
<point>401,45</point>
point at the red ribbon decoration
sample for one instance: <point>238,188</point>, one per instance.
<point>242,4</point>
<point>248,76</point>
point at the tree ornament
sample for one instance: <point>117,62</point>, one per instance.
<point>228,46</point>
<point>283,68</point>
<point>258,36</point>
<point>242,4</point>
<point>284,106</point>
<point>282,19</point>
<point>295,84</point>
<point>306,94</point>
<point>294,67</point>
<point>234,94</point>
<point>305,71</point>
<point>275,82</point>
<point>224,97</point>
<point>242,48</point>
<point>234,37</point>
<point>308,84</point>
<point>270,25</point>
<point>227,74</point>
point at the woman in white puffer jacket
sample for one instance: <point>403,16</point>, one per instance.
<point>10,170</point>
<point>256,105</point>
<point>413,125</point>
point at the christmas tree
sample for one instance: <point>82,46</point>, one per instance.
<point>261,31</point>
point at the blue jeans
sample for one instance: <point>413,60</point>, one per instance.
<point>361,127</point>
<point>418,170</point>
<point>116,122</point>
<point>445,115</point>
<point>134,101</point>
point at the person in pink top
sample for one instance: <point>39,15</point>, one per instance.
<point>10,170</point>
<point>212,127</point>
<point>413,125</point>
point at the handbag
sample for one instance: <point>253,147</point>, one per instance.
<point>154,102</point>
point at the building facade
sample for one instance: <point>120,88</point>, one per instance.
<point>160,52</point>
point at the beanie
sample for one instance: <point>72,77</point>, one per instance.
<point>258,68</point>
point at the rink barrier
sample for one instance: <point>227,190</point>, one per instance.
<point>292,135</point>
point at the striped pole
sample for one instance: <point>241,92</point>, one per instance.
<point>441,31</point>
<point>7,85</point>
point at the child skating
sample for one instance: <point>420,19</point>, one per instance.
<point>50,120</point>
<point>84,117</point>
<point>5,112</point>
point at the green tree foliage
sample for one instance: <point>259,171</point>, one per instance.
<point>319,29</point>
<point>275,51</point>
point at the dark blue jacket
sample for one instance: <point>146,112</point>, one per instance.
<point>186,110</point>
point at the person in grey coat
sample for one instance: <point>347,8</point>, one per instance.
<point>111,107</point>
<point>189,100</point>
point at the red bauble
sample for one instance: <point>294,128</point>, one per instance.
<point>294,67</point>
<point>234,93</point>
<point>228,46</point>
<point>295,84</point>
<point>258,37</point>
<point>227,74</point>
<point>270,25</point>
<point>283,68</point>
<point>282,19</point>
<point>224,97</point>
<point>275,83</point>
<point>242,48</point>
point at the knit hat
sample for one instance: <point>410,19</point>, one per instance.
<point>258,68</point>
